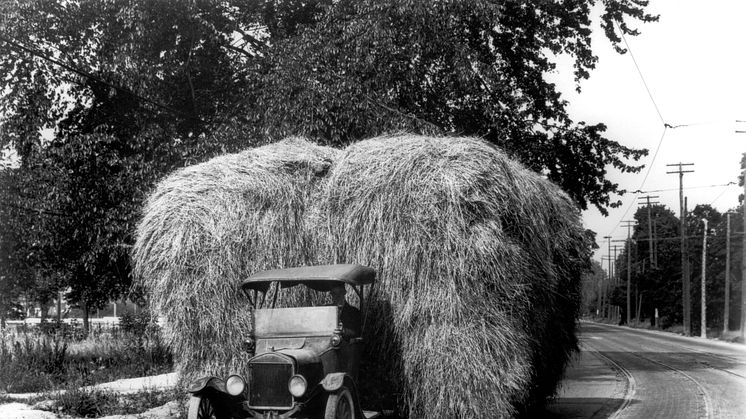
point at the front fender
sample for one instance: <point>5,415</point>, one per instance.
<point>207,384</point>
<point>333,381</point>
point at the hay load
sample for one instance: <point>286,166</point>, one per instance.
<point>478,262</point>
<point>206,226</point>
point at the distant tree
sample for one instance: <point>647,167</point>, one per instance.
<point>658,283</point>
<point>591,286</point>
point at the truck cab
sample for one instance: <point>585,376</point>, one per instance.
<point>304,360</point>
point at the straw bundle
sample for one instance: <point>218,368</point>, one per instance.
<point>206,227</point>
<point>478,262</point>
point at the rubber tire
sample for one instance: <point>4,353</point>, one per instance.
<point>340,405</point>
<point>201,407</point>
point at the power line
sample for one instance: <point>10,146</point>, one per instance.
<point>690,187</point>
<point>621,32</point>
<point>655,154</point>
<point>720,195</point>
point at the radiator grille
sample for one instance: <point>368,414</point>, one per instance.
<point>269,385</point>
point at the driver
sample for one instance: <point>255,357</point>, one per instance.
<point>348,315</point>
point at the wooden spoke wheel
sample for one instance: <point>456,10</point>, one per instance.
<point>201,407</point>
<point>340,405</point>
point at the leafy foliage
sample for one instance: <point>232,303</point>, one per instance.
<point>125,91</point>
<point>660,283</point>
<point>471,67</point>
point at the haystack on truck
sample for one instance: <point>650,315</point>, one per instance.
<point>463,266</point>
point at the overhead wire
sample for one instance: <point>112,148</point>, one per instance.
<point>666,125</point>
<point>657,110</point>
<point>660,116</point>
<point>687,188</point>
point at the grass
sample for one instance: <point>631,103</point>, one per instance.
<point>36,360</point>
<point>93,403</point>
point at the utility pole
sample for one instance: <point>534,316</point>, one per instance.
<point>743,249</point>
<point>703,308</point>
<point>655,240</point>
<point>726,311</point>
<point>684,274</point>
<point>629,225</point>
<point>687,272</point>
<point>615,283</point>
<point>651,240</point>
<point>606,299</point>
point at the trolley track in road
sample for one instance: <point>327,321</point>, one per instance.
<point>678,346</point>
<point>631,387</point>
<point>703,392</point>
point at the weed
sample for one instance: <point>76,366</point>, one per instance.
<point>91,403</point>
<point>87,403</point>
<point>32,360</point>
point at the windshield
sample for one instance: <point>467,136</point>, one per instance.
<point>291,322</point>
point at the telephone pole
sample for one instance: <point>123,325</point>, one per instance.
<point>608,283</point>
<point>726,311</point>
<point>629,225</point>
<point>686,297</point>
<point>703,308</point>
<point>743,250</point>
<point>616,314</point>
<point>651,241</point>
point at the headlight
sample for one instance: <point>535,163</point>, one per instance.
<point>336,339</point>
<point>235,385</point>
<point>297,385</point>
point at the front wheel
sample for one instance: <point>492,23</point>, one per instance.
<point>201,407</point>
<point>340,405</point>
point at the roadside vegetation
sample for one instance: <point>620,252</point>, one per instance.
<point>57,356</point>
<point>93,403</point>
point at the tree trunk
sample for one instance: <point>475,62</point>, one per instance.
<point>86,313</point>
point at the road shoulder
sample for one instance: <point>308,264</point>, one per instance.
<point>592,388</point>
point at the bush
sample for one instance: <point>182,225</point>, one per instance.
<point>87,403</point>
<point>135,324</point>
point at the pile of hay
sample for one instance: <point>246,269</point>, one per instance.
<point>478,262</point>
<point>206,226</point>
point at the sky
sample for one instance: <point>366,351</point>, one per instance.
<point>693,61</point>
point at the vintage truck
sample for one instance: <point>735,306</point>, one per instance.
<point>304,360</point>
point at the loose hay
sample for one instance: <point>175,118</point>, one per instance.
<point>206,227</point>
<point>478,263</point>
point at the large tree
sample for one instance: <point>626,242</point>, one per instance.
<point>125,92</point>
<point>128,90</point>
<point>475,67</point>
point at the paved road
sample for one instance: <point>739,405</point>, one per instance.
<point>653,375</point>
